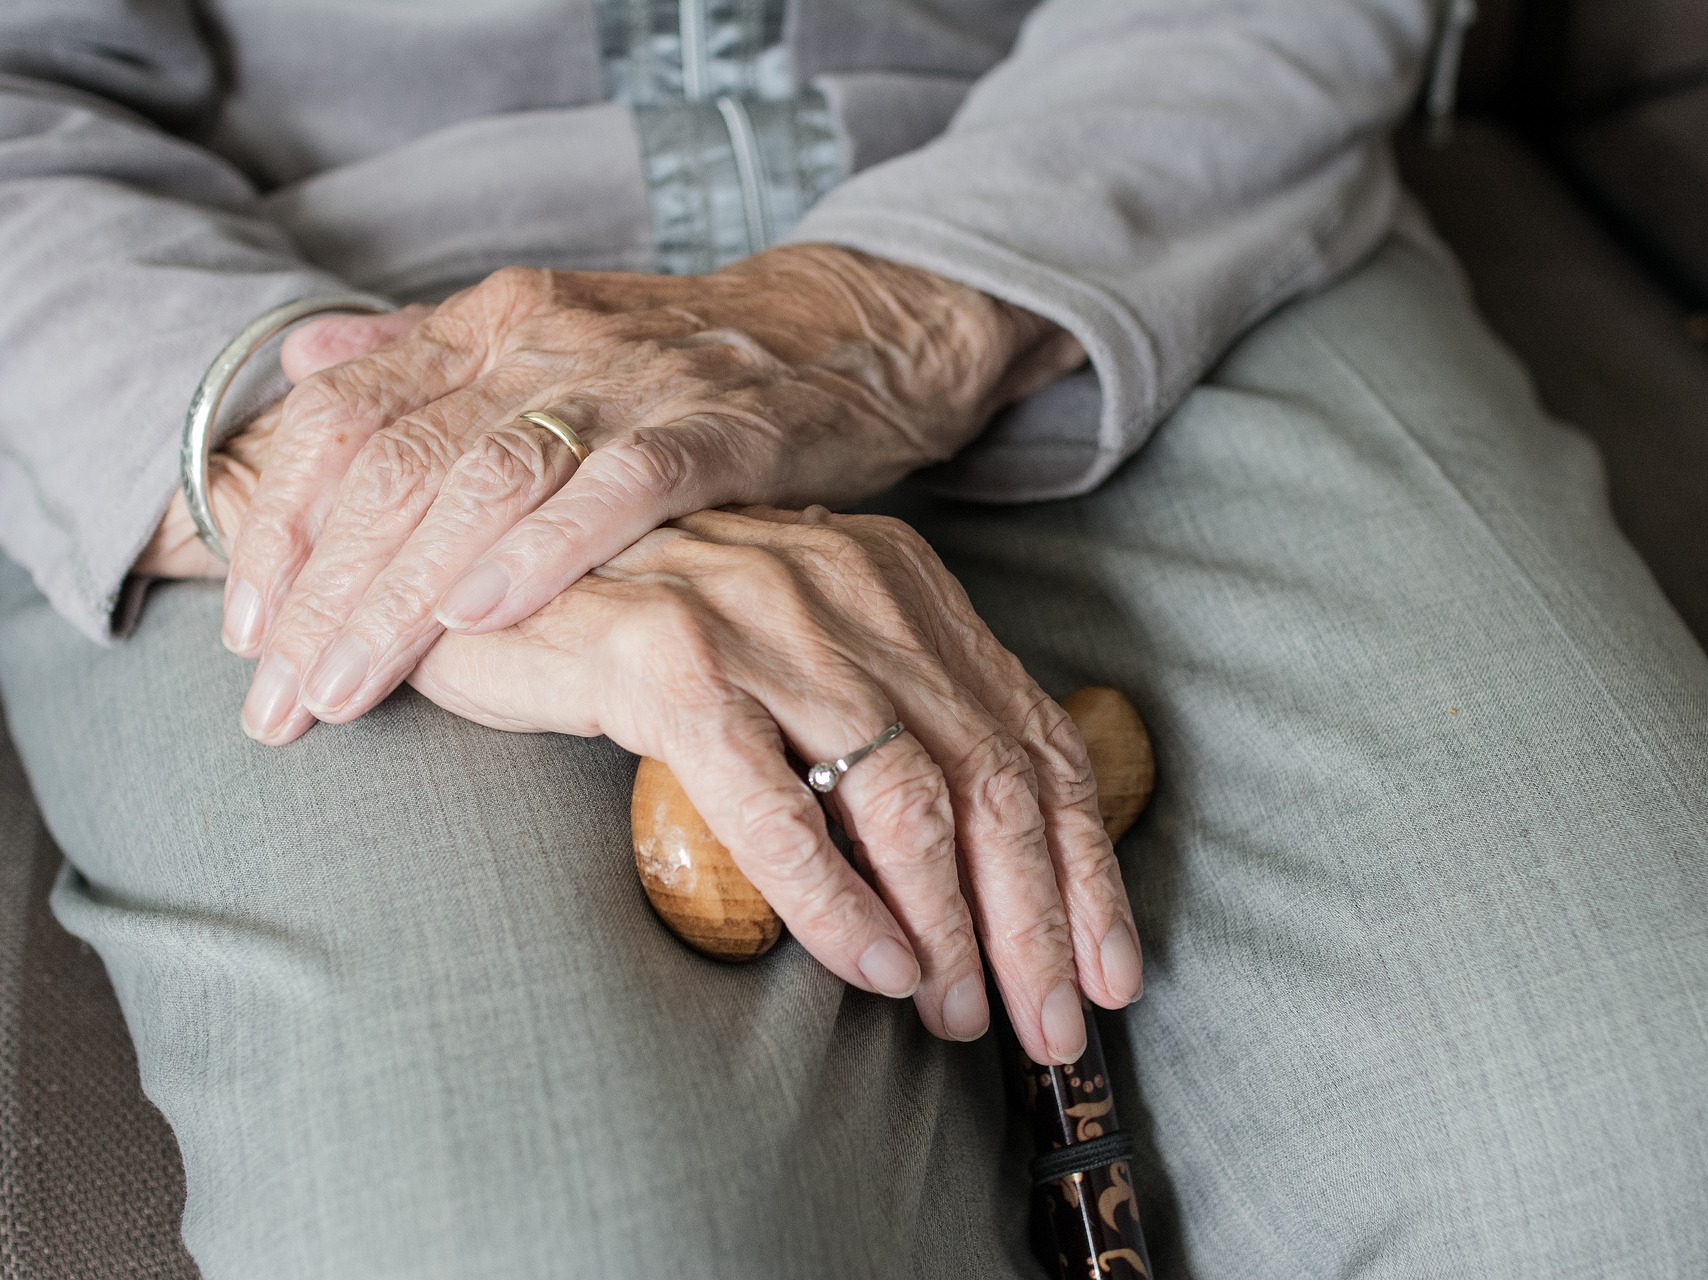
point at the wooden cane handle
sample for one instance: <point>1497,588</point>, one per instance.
<point>699,892</point>
<point>689,877</point>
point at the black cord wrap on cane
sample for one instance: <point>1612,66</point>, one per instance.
<point>1081,1157</point>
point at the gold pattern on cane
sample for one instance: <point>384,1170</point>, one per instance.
<point>1086,1113</point>
<point>1116,1196</point>
<point>1120,1255</point>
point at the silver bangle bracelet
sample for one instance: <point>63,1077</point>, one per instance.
<point>198,439</point>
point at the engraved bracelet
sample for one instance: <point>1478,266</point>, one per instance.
<point>198,439</point>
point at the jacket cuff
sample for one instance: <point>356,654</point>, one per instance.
<point>81,556</point>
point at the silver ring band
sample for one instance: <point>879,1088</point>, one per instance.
<point>824,776</point>
<point>559,428</point>
<point>198,439</point>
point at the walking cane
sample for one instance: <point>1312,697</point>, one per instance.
<point>1085,1216</point>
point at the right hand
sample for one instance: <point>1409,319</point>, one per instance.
<point>713,643</point>
<point>405,496</point>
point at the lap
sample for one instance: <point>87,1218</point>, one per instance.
<point>1423,891</point>
<point>398,993</point>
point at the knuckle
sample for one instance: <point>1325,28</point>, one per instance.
<point>1003,778</point>
<point>722,348</point>
<point>500,464</point>
<point>844,557</point>
<point>882,529</point>
<point>553,534</point>
<point>1044,931</point>
<point>755,572</point>
<point>1099,899</point>
<point>648,463</point>
<point>307,620</point>
<point>517,286</point>
<point>322,397</point>
<point>673,365</point>
<point>913,810</point>
<point>1060,752</point>
<point>669,628</point>
<point>896,548</point>
<point>829,908</point>
<point>949,937</point>
<point>397,464</point>
<point>777,825</point>
<point>781,830</point>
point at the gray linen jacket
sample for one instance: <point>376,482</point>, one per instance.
<point>1155,175</point>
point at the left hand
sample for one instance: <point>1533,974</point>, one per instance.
<point>712,642</point>
<point>404,495</point>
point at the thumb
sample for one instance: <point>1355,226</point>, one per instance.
<point>333,339</point>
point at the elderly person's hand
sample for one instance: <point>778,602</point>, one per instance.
<point>235,467</point>
<point>402,492</point>
<point>712,643</point>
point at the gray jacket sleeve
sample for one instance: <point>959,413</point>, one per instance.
<point>131,257</point>
<point>1155,176</point>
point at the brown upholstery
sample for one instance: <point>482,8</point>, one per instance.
<point>1612,48</point>
<point>1616,93</point>
<point>1609,348</point>
<point>90,1182</point>
<point>1648,163</point>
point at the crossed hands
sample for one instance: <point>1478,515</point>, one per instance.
<point>396,522</point>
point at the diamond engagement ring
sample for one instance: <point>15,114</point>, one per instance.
<point>824,776</point>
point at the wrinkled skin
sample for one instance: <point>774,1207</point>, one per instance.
<point>403,496</point>
<point>714,641</point>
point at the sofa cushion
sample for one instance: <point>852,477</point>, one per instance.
<point>90,1180</point>
<point>1616,91</point>
<point>1614,49</point>
<point>1648,164</point>
<point>1608,348</point>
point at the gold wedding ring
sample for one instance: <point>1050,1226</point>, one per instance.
<point>559,428</point>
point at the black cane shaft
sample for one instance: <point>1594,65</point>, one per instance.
<point>1085,1216</point>
<point>1085,1223</point>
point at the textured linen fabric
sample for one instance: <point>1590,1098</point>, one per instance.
<point>1154,177</point>
<point>1155,174</point>
<point>1424,893</point>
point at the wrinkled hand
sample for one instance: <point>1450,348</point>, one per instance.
<point>234,468</point>
<point>713,642</point>
<point>402,494</point>
<point>234,471</point>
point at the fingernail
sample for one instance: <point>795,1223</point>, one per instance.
<point>475,595</point>
<point>337,675</point>
<point>242,630</point>
<point>966,1013</point>
<point>1123,974</point>
<point>890,969</point>
<point>272,696</point>
<point>1064,1024</point>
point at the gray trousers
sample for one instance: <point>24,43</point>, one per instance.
<point>1424,894</point>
